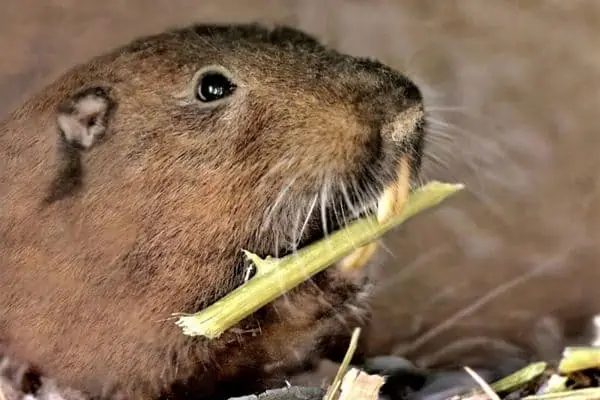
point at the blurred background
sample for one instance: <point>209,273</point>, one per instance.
<point>513,93</point>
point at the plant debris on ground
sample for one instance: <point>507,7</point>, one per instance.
<point>575,377</point>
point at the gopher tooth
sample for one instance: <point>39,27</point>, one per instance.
<point>394,197</point>
<point>387,203</point>
<point>359,257</point>
<point>390,204</point>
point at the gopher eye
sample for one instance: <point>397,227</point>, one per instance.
<point>213,86</point>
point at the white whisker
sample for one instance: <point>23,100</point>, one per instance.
<point>308,214</point>
<point>324,201</point>
<point>295,238</point>
<point>276,204</point>
<point>353,210</point>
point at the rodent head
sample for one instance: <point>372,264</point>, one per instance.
<point>234,137</point>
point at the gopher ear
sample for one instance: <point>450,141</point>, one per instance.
<point>83,119</point>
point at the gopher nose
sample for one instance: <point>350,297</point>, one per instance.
<point>406,115</point>
<point>405,123</point>
<point>411,92</point>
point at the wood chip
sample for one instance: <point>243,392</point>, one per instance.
<point>358,385</point>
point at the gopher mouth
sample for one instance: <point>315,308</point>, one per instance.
<point>390,202</point>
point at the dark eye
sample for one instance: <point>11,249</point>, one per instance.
<point>213,86</point>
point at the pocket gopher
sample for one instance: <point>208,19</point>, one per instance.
<point>130,185</point>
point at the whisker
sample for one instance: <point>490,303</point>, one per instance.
<point>343,222</point>
<point>474,161</point>
<point>438,136</point>
<point>324,201</point>
<point>311,208</point>
<point>491,147</point>
<point>457,109</point>
<point>276,246</point>
<point>276,204</point>
<point>349,204</point>
<point>295,238</point>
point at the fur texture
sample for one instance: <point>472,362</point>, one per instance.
<point>125,198</point>
<point>512,86</point>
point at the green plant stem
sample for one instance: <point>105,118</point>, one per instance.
<point>520,377</point>
<point>579,358</point>
<point>579,394</point>
<point>339,377</point>
<point>276,276</point>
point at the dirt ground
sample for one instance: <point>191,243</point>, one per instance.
<point>513,91</point>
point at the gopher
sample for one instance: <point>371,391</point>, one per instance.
<point>131,184</point>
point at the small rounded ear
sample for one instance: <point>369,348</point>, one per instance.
<point>83,119</point>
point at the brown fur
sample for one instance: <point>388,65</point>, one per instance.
<point>515,82</point>
<point>101,241</point>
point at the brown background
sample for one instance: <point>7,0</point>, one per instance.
<point>514,86</point>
